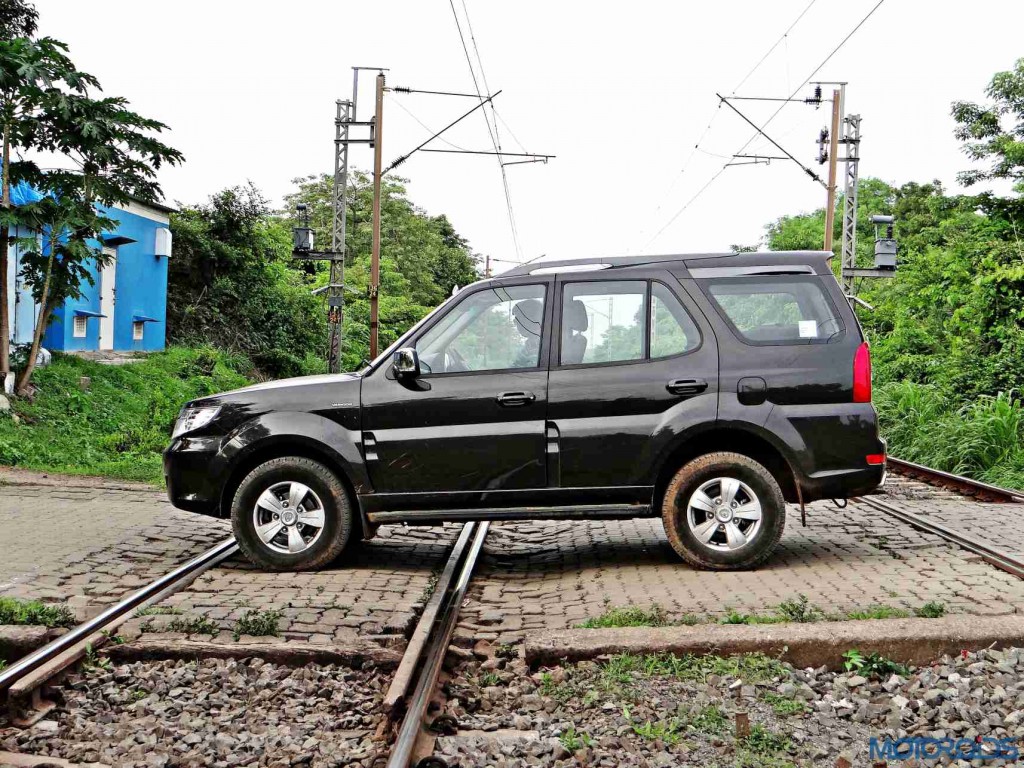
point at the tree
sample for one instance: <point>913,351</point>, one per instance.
<point>232,283</point>
<point>17,19</point>
<point>995,131</point>
<point>47,104</point>
<point>422,257</point>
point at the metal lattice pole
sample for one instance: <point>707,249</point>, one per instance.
<point>339,199</point>
<point>852,142</point>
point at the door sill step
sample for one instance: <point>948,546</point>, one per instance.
<point>578,512</point>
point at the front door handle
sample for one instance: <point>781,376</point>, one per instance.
<point>511,399</point>
<point>686,386</point>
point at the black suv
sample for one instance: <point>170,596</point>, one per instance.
<point>707,389</point>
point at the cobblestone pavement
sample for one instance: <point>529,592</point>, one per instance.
<point>998,524</point>
<point>555,575</point>
<point>90,543</point>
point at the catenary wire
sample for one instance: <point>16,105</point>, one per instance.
<point>490,131</point>
<point>749,141</point>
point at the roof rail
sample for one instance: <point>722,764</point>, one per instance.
<point>580,265</point>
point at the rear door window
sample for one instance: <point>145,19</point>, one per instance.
<point>776,310</point>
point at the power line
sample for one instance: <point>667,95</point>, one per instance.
<point>707,129</point>
<point>760,130</point>
<point>490,130</point>
<point>424,125</point>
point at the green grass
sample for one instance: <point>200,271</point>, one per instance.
<point>668,732</point>
<point>33,612</point>
<point>763,749</point>
<point>754,667</point>
<point>877,612</point>
<point>983,439</point>
<point>783,706</point>
<point>257,623</point>
<point>195,625</point>
<point>574,740</point>
<point>874,664</point>
<point>629,616</point>
<point>120,425</point>
<point>931,610</point>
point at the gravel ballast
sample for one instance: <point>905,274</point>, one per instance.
<point>212,713</point>
<point>649,712</point>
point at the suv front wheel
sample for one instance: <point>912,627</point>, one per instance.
<point>291,514</point>
<point>723,511</point>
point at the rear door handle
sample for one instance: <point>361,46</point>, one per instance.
<point>686,386</point>
<point>510,399</point>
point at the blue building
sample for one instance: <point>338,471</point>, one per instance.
<point>125,308</point>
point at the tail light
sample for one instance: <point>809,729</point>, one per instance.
<point>862,374</point>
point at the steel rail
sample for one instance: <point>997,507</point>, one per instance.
<point>908,467</point>
<point>1002,560</point>
<point>412,723</point>
<point>26,665</point>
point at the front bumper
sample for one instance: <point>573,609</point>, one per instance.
<point>194,471</point>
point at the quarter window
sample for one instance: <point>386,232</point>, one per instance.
<point>791,310</point>
<point>490,330</point>
<point>673,332</point>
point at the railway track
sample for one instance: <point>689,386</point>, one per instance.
<point>405,703</point>
<point>24,679</point>
<point>962,485</point>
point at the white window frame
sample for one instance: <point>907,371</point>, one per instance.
<point>80,327</point>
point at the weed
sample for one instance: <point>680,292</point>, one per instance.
<point>257,623</point>
<point>195,625</point>
<point>562,691</point>
<point>799,610</point>
<point>762,749</point>
<point>489,679</point>
<point>574,740</point>
<point>878,612</point>
<point>872,664</point>
<point>629,616</point>
<point>506,651</point>
<point>139,694</point>
<point>93,660</point>
<point>783,706</point>
<point>709,720</point>
<point>33,612</point>
<point>158,610</point>
<point>735,617</point>
<point>667,731</point>
<point>754,667</point>
<point>931,610</point>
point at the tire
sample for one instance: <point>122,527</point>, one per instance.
<point>306,534</point>
<point>733,543</point>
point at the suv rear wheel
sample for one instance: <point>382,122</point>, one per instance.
<point>723,511</point>
<point>291,513</point>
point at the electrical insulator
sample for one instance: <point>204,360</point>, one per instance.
<point>817,93</point>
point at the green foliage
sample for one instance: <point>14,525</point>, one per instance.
<point>877,612</point>
<point>799,610</point>
<point>931,610</point>
<point>985,133</point>
<point>33,612</point>
<point>422,257</point>
<point>232,283</point>
<point>257,623</point>
<point>784,706</point>
<point>629,616</point>
<point>872,664</point>
<point>574,740</point>
<point>763,749</point>
<point>752,667</point>
<point>668,732</point>
<point>192,625</point>
<point>122,423</point>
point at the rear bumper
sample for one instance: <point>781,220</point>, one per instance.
<point>843,484</point>
<point>194,470</point>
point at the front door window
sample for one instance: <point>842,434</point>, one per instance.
<point>491,330</point>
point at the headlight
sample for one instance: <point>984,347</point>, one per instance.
<point>194,418</point>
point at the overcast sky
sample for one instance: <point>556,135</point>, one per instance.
<point>620,92</point>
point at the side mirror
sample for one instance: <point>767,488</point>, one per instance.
<point>407,363</point>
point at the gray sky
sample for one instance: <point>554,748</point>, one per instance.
<point>619,92</point>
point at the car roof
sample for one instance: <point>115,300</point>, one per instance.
<point>682,264</point>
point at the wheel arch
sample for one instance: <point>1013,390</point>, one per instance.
<point>747,442</point>
<point>291,445</point>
